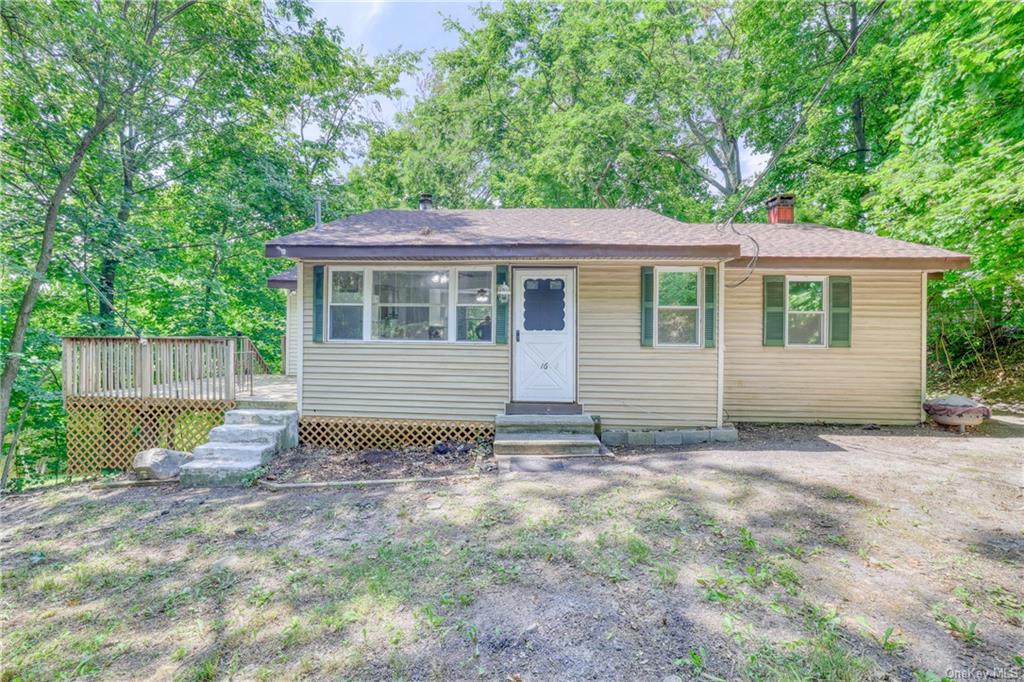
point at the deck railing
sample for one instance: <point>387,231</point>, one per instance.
<point>184,368</point>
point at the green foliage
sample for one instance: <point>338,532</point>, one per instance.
<point>209,155</point>
<point>957,177</point>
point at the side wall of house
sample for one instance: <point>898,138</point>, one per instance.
<point>877,379</point>
<point>626,384</point>
<point>291,341</point>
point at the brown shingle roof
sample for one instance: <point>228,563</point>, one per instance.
<point>555,232</point>
<point>286,279</point>
<point>784,244</point>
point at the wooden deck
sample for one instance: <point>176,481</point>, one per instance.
<point>268,389</point>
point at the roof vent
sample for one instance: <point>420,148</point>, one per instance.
<point>780,208</point>
<point>426,201</point>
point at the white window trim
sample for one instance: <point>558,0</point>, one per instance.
<point>658,270</point>
<point>453,296</point>
<point>824,310</point>
<point>329,285</point>
<point>368,303</point>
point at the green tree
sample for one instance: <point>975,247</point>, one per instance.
<point>68,71</point>
<point>166,209</point>
<point>578,104</point>
<point>956,175</point>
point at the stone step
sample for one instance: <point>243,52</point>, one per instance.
<point>260,416</point>
<point>249,438</point>
<point>214,472</point>
<point>247,433</point>
<point>544,423</point>
<point>259,452</point>
<point>547,445</point>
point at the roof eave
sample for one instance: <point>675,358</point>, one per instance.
<point>498,251</point>
<point>290,285</point>
<point>927,263</point>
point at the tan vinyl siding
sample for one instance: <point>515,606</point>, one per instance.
<point>291,342</point>
<point>877,379</point>
<point>629,385</point>
<point>400,380</point>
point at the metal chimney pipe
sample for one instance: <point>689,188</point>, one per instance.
<point>426,201</point>
<point>316,213</point>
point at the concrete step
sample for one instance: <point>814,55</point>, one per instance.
<point>543,423</point>
<point>248,439</point>
<point>259,452</point>
<point>547,445</point>
<point>247,433</point>
<point>213,472</point>
<point>265,417</point>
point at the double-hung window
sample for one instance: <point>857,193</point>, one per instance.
<point>678,306</point>
<point>805,311</point>
<point>474,306</point>
<point>420,304</point>
<point>345,304</point>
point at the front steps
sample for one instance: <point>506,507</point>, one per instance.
<point>546,435</point>
<point>248,439</point>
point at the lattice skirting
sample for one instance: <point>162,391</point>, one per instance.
<point>107,433</point>
<point>362,433</point>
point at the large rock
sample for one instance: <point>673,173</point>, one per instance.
<point>159,463</point>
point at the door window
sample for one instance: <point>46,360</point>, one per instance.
<point>544,304</point>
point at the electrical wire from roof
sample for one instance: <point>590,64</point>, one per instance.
<point>801,120</point>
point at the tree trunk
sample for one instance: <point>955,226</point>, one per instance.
<point>111,261</point>
<point>859,139</point>
<point>857,106</point>
<point>108,276</point>
<point>28,301</point>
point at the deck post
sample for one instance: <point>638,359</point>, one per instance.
<point>145,368</point>
<point>66,364</point>
<point>229,376</point>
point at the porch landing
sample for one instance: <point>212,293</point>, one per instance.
<point>268,391</point>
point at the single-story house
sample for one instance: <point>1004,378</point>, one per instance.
<point>643,321</point>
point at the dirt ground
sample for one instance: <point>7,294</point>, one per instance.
<point>796,553</point>
<point>308,464</point>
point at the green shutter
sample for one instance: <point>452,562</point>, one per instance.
<point>501,308</point>
<point>840,311</point>
<point>710,293</point>
<point>318,303</point>
<point>774,310</point>
<point>646,306</point>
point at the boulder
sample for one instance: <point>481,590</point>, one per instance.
<point>159,463</point>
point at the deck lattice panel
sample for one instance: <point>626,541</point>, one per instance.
<point>107,433</point>
<point>355,433</point>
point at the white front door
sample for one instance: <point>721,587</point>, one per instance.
<point>544,334</point>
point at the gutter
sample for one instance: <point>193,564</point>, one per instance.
<point>499,251</point>
<point>953,262</point>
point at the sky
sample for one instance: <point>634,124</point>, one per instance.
<point>379,26</point>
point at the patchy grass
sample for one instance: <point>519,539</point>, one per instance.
<point>850,555</point>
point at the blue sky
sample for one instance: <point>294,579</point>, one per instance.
<point>380,26</point>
